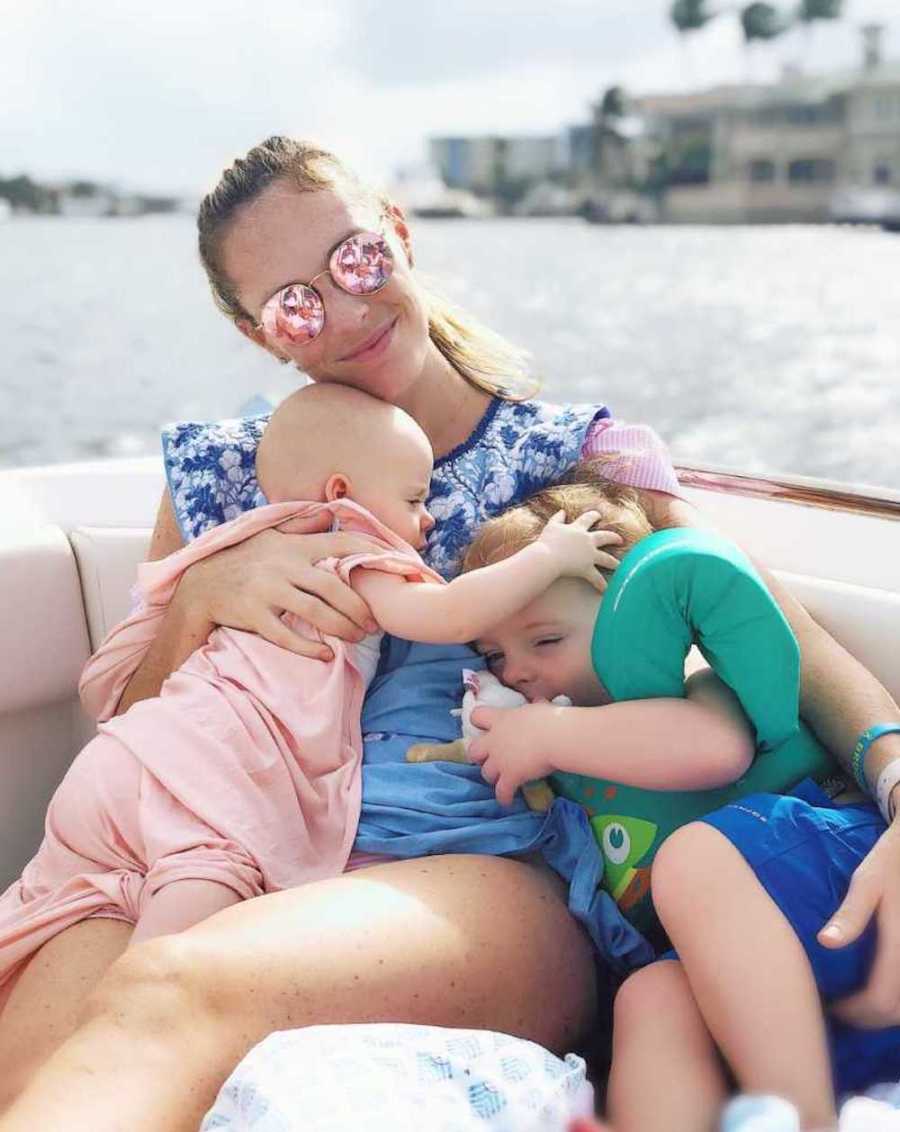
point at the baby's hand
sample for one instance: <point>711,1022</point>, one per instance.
<point>578,549</point>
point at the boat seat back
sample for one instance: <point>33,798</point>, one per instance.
<point>107,559</point>
<point>45,645</point>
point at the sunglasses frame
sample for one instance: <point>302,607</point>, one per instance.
<point>329,270</point>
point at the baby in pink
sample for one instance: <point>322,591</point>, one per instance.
<point>243,776</point>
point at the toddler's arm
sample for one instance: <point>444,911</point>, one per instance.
<point>471,604</point>
<point>701,742</point>
<point>698,743</point>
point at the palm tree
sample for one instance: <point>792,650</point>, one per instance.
<point>764,22</point>
<point>811,11</point>
<point>760,21</point>
<point>690,15</point>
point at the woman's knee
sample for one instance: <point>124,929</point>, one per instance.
<point>156,987</point>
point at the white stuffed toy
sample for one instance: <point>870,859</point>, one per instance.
<point>483,689</point>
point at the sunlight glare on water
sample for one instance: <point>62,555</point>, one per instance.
<point>762,349</point>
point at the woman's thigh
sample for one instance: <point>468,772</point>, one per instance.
<point>467,941</point>
<point>455,941</point>
<point>41,1005</point>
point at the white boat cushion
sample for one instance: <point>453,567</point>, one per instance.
<point>108,559</point>
<point>44,640</point>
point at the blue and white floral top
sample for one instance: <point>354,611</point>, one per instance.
<point>516,449</point>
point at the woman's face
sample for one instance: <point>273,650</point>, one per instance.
<point>378,343</point>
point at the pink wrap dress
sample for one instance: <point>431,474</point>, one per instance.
<point>245,770</point>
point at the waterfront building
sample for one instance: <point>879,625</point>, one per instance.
<point>803,149</point>
<point>503,168</point>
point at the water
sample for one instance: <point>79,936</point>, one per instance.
<point>762,349</point>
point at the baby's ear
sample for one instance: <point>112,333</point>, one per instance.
<point>338,486</point>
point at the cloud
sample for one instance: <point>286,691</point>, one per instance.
<point>160,96</point>
<point>408,42</point>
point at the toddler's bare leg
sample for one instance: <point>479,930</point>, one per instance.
<point>43,1006</point>
<point>181,904</point>
<point>748,971</point>
<point>666,1072</point>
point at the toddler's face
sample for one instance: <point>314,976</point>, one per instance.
<point>544,650</point>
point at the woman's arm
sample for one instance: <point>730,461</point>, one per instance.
<point>698,743</point>
<point>246,587</point>
<point>471,604</point>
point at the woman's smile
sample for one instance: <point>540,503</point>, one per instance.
<point>375,345</point>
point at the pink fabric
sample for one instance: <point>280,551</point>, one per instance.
<point>245,770</point>
<point>636,456</point>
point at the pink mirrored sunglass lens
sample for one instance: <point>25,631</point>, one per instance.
<point>362,264</point>
<point>295,314</point>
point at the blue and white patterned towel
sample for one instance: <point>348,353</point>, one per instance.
<point>389,1077</point>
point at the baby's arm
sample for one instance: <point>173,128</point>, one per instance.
<point>469,605</point>
<point>698,743</point>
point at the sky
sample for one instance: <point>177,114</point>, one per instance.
<point>161,96</point>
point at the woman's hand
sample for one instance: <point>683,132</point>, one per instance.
<point>578,550</point>
<point>513,749</point>
<point>874,891</point>
<point>249,586</point>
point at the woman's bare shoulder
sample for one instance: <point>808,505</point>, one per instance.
<point>167,537</point>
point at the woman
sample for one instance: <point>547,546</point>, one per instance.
<point>457,940</point>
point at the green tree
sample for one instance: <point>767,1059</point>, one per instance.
<point>690,15</point>
<point>759,21</point>
<point>612,104</point>
<point>811,10</point>
<point>23,193</point>
<point>763,21</point>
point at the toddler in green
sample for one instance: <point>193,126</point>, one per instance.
<point>664,750</point>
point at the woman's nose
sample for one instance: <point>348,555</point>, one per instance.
<point>344,312</point>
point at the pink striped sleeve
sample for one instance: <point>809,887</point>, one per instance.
<point>634,455</point>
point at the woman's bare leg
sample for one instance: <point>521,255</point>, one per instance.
<point>666,1071</point>
<point>181,905</point>
<point>453,941</point>
<point>42,1008</point>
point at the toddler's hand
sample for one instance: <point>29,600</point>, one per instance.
<point>578,549</point>
<point>513,747</point>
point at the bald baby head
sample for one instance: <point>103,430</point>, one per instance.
<point>329,441</point>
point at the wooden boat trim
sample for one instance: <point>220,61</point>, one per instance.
<point>882,503</point>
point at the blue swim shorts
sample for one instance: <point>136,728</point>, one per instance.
<point>803,849</point>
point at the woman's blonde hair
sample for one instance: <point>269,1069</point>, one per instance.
<point>585,488</point>
<point>482,357</point>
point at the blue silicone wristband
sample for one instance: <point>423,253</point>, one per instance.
<point>863,743</point>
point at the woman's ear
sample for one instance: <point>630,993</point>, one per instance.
<point>337,487</point>
<point>258,335</point>
<point>397,218</point>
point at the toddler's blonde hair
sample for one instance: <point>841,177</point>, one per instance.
<point>585,488</point>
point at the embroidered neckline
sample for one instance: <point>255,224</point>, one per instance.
<point>475,436</point>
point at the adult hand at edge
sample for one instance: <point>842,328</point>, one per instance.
<point>874,892</point>
<point>250,585</point>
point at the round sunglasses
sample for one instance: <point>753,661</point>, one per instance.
<point>360,265</point>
